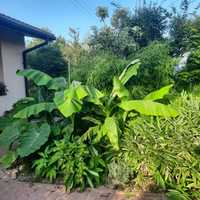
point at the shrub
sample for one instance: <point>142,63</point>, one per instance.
<point>193,62</point>
<point>49,59</point>
<point>190,76</point>
<point>78,163</point>
<point>165,152</point>
<point>104,67</point>
<point>157,66</point>
<point>58,117</point>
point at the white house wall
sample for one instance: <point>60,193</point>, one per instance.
<point>12,46</point>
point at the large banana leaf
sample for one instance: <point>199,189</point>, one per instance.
<point>9,135</point>
<point>68,102</point>
<point>33,139</point>
<point>129,71</point>
<point>119,89</point>
<point>94,95</point>
<point>148,107</point>
<point>35,109</point>
<point>57,84</point>
<point>158,94</point>
<point>80,91</point>
<point>110,128</point>
<point>38,77</point>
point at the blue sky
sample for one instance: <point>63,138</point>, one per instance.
<point>59,15</point>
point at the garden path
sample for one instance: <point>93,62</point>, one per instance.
<point>14,190</point>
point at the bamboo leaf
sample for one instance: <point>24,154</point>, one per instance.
<point>176,195</point>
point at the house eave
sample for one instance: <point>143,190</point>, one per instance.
<point>25,29</point>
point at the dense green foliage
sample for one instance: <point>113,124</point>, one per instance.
<point>64,147</point>
<point>157,67</point>
<point>107,124</point>
<point>48,59</point>
<point>162,154</point>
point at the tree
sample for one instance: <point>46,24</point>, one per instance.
<point>152,20</point>
<point>48,59</point>
<point>157,67</point>
<point>102,13</point>
<point>195,33</point>
<point>179,34</point>
<point>120,18</point>
<point>107,39</point>
<point>73,48</point>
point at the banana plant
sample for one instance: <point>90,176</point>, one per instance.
<point>109,126</point>
<point>69,100</point>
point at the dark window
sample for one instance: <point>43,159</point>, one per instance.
<point>3,89</point>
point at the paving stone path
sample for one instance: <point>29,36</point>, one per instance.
<point>15,190</point>
<point>12,189</point>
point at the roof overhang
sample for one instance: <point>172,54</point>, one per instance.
<point>25,29</point>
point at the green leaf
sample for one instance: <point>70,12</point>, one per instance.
<point>68,102</point>
<point>176,195</point>
<point>57,84</point>
<point>129,71</point>
<point>94,95</point>
<point>93,173</point>
<point>35,110</point>
<point>92,119</point>
<point>159,94</point>
<point>38,77</point>
<point>7,159</point>
<point>147,107</point>
<point>159,180</point>
<point>68,130</point>
<point>81,92</point>
<point>92,131</point>
<point>89,181</point>
<point>110,128</point>
<point>9,135</point>
<point>33,139</point>
<point>119,89</point>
